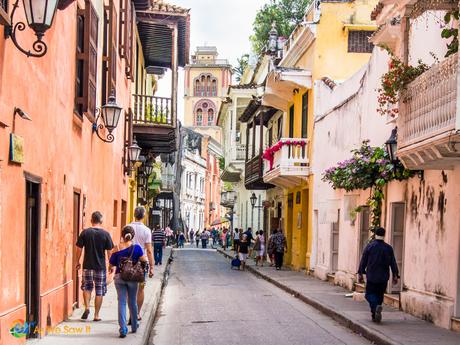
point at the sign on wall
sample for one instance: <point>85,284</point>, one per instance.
<point>16,148</point>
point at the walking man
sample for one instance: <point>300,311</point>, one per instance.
<point>378,257</point>
<point>96,242</point>
<point>204,239</point>
<point>280,246</point>
<point>191,235</point>
<point>158,238</point>
<point>142,237</point>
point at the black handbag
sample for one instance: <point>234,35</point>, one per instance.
<point>130,271</point>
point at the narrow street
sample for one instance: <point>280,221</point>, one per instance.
<point>205,302</point>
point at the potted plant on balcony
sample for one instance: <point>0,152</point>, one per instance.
<point>153,115</point>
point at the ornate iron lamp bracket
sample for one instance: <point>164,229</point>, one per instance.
<point>97,127</point>
<point>39,48</point>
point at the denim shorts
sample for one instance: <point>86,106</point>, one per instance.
<point>94,279</point>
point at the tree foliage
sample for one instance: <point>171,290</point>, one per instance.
<point>242,64</point>
<point>286,14</point>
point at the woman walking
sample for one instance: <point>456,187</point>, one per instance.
<point>271,248</point>
<point>197,238</point>
<point>126,290</point>
<point>243,250</point>
<point>260,240</point>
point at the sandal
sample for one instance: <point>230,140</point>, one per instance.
<point>85,314</point>
<point>97,320</point>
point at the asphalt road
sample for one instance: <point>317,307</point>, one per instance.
<point>205,302</point>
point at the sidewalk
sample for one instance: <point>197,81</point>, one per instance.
<point>105,332</point>
<point>397,327</point>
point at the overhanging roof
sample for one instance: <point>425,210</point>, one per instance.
<point>154,26</point>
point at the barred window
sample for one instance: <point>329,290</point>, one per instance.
<point>358,42</point>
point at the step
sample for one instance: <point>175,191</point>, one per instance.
<point>360,287</point>
<point>392,300</point>
<point>331,278</point>
<point>456,324</point>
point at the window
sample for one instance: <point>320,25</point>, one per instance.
<point>109,51</point>
<point>358,42</point>
<point>79,79</point>
<point>126,35</point>
<point>280,127</point>
<point>205,85</point>
<point>210,117</point>
<point>115,212</point>
<point>4,17</point>
<point>291,122</point>
<point>199,117</point>
<point>305,115</point>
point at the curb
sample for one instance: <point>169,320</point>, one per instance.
<point>157,298</point>
<point>366,332</point>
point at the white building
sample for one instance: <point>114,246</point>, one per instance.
<point>192,195</point>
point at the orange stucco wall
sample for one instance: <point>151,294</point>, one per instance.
<point>61,149</point>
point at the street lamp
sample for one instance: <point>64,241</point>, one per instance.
<point>148,167</point>
<point>110,114</point>
<point>39,15</point>
<point>392,145</point>
<point>134,152</point>
<point>253,200</point>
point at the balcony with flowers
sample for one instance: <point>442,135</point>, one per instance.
<point>286,163</point>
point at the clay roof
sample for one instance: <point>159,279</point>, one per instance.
<point>160,5</point>
<point>377,10</point>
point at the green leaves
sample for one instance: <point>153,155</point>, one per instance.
<point>286,14</point>
<point>452,32</point>
<point>242,64</point>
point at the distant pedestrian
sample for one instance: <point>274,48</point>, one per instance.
<point>236,239</point>
<point>142,237</point>
<point>204,239</point>
<point>280,245</point>
<point>181,240</point>
<point>169,235</point>
<point>271,248</point>
<point>127,291</point>
<point>378,257</point>
<point>158,239</point>
<point>214,235</point>
<point>250,236</point>
<point>243,250</point>
<point>260,241</point>
<point>191,234</point>
<point>197,238</point>
<point>96,242</point>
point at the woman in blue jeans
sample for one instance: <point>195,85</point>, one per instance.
<point>126,290</point>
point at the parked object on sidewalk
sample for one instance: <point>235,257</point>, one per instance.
<point>96,242</point>
<point>126,288</point>
<point>376,261</point>
<point>236,262</point>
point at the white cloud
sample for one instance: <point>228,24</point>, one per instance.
<point>226,24</point>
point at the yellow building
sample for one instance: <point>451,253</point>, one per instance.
<point>207,79</point>
<point>331,45</point>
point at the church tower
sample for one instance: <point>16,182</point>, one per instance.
<point>207,79</point>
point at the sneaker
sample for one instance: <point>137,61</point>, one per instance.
<point>378,314</point>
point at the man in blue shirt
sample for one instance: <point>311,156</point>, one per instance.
<point>378,257</point>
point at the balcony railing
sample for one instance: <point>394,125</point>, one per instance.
<point>290,164</point>
<point>151,110</point>
<point>240,154</point>
<point>167,182</point>
<point>428,105</point>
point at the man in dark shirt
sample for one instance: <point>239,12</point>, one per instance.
<point>376,261</point>
<point>158,239</point>
<point>96,242</point>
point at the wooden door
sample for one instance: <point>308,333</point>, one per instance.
<point>397,240</point>
<point>364,227</point>
<point>76,232</point>
<point>335,236</point>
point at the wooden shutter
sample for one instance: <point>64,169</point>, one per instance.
<point>4,17</point>
<point>128,37</point>
<point>63,4</point>
<point>305,115</point>
<point>91,36</point>
<point>112,51</point>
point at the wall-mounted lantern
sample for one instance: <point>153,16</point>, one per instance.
<point>392,145</point>
<point>149,166</point>
<point>39,15</point>
<point>110,114</point>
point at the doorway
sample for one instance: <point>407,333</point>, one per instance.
<point>335,234</point>
<point>32,263</point>
<point>76,232</point>
<point>397,240</point>
<point>364,227</point>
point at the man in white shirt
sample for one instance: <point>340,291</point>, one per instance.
<point>142,237</point>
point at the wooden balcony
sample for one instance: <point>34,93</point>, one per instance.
<point>428,121</point>
<point>154,124</point>
<point>290,164</point>
<point>253,178</point>
<point>228,199</point>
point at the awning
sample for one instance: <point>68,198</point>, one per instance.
<point>220,221</point>
<point>281,84</point>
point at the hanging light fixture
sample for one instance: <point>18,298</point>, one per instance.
<point>149,166</point>
<point>110,114</point>
<point>392,145</point>
<point>39,15</point>
<point>134,152</point>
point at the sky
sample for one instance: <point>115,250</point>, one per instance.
<point>226,24</point>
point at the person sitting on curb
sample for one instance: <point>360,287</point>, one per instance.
<point>376,261</point>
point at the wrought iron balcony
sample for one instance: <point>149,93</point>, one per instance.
<point>290,164</point>
<point>428,121</point>
<point>228,199</point>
